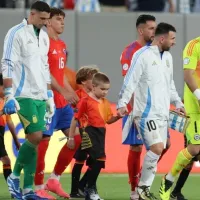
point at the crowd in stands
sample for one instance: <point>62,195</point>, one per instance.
<point>181,6</point>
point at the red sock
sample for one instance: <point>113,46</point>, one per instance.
<point>133,168</point>
<point>163,153</point>
<point>39,175</point>
<point>65,156</point>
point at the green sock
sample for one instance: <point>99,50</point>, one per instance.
<point>27,152</point>
<point>29,171</point>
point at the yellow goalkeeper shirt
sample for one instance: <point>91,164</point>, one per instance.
<point>191,60</point>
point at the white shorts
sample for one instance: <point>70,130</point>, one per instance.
<point>152,131</point>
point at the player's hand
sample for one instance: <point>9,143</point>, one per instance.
<point>18,145</point>
<point>71,97</point>
<point>50,105</point>
<point>181,111</point>
<point>121,112</point>
<point>71,143</point>
<point>11,105</point>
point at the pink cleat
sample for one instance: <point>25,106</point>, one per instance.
<point>44,194</point>
<point>53,185</point>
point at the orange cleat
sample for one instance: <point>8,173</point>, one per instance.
<point>44,194</point>
<point>53,185</point>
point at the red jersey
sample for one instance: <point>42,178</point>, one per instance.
<point>98,113</point>
<point>81,93</point>
<point>127,55</point>
<point>57,62</point>
<point>126,58</point>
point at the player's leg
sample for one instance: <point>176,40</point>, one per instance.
<point>96,161</point>
<point>31,116</point>
<point>80,157</point>
<point>154,135</point>
<point>3,155</point>
<point>184,157</point>
<point>167,146</point>
<point>176,193</point>
<point>42,148</point>
<point>65,156</point>
<point>132,137</point>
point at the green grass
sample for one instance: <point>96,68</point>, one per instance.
<point>115,187</point>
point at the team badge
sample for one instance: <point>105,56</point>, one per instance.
<point>167,63</point>
<point>197,137</point>
<point>45,42</point>
<point>35,120</point>
<point>125,67</point>
<point>64,51</point>
<point>186,61</point>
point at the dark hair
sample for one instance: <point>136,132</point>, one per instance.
<point>56,11</point>
<point>40,6</point>
<point>99,78</point>
<point>142,19</point>
<point>86,73</point>
<point>164,28</point>
<point>1,80</point>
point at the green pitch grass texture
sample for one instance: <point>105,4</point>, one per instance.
<point>115,186</point>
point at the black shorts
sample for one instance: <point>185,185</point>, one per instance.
<point>2,144</point>
<point>97,137</point>
<point>80,155</point>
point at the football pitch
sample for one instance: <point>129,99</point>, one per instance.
<point>115,186</point>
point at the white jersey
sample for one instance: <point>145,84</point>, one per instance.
<point>150,78</point>
<point>25,60</point>
<point>87,6</point>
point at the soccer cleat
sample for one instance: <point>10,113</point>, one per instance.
<point>44,194</point>
<point>76,196</point>
<point>134,195</point>
<point>92,194</point>
<point>53,185</point>
<point>144,193</point>
<point>177,196</point>
<point>32,196</point>
<point>14,188</point>
<point>165,189</point>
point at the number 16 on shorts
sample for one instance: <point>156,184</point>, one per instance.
<point>152,131</point>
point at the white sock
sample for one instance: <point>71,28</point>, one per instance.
<point>170,177</point>
<point>27,190</point>
<point>54,176</point>
<point>149,169</point>
<point>39,187</point>
<point>13,176</point>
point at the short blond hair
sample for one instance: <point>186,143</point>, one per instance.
<point>86,73</point>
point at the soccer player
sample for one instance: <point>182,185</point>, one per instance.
<point>98,112</point>
<point>84,78</point>
<point>27,91</point>
<point>6,119</point>
<point>145,25</point>
<point>150,78</point>
<point>61,120</point>
<point>191,59</point>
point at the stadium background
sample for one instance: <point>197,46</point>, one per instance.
<point>99,39</point>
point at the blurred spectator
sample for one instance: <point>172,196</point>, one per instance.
<point>69,4</point>
<point>149,5</point>
<point>113,5</point>
<point>87,6</point>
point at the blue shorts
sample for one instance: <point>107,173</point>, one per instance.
<point>130,133</point>
<point>60,121</point>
